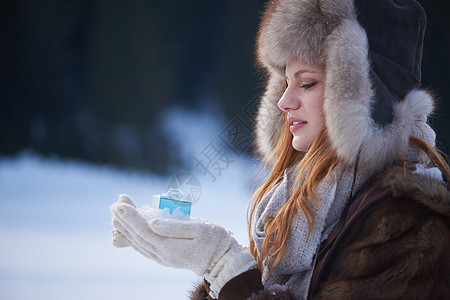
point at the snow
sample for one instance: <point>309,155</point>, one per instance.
<point>56,233</point>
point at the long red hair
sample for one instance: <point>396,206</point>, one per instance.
<point>311,167</point>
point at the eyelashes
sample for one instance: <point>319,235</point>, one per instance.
<point>303,86</point>
<point>308,86</point>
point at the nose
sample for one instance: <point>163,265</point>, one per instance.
<point>289,101</point>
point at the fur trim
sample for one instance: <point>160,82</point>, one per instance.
<point>269,118</point>
<point>293,39</point>
<point>347,90</point>
<point>199,292</point>
<point>382,146</point>
<point>423,189</point>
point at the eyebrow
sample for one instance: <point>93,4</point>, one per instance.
<point>300,72</point>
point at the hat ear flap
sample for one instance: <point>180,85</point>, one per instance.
<point>350,101</point>
<point>348,92</point>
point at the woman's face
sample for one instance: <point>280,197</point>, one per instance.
<point>303,102</point>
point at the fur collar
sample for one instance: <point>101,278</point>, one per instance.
<point>422,189</point>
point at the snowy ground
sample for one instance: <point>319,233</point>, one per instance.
<point>55,228</point>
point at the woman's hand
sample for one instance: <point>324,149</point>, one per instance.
<point>119,240</point>
<point>197,245</point>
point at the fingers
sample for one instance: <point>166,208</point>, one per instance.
<point>133,226</point>
<point>119,240</point>
<point>171,228</point>
<point>128,217</point>
<point>146,253</point>
<point>136,242</point>
<point>124,198</point>
<point>130,228</point>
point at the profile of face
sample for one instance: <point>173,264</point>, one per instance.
<point>303,102</point>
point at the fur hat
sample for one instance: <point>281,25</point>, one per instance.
<point>372,53</point>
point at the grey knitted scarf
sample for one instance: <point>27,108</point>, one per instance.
<point>294,270</point>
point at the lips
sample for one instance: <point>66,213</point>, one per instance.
<point>294,128</point>
<point>296,124</point>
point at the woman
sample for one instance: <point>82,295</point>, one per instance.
<point>350,122</point>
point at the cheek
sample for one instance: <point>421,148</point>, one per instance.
<point>320,115</point>
<point>316,110</point>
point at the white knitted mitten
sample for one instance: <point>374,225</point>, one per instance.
<point>119,240</point>
<point>207,249</point>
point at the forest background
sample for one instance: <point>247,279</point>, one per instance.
<point>94,80</point>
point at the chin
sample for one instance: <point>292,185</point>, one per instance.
<point>300,145</point>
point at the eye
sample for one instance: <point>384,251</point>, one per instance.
<point>308,86</point>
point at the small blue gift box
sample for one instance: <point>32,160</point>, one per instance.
<point>172,200</point>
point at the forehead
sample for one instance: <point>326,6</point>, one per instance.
<point>296,68</point>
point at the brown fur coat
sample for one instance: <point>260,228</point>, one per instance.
<point>398,249</point>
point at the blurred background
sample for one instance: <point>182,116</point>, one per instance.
<point>89,79</point>
<point>104,97</point>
